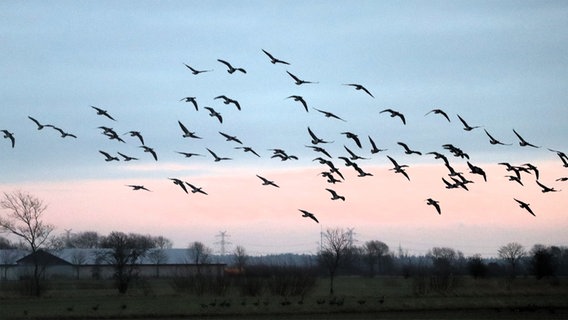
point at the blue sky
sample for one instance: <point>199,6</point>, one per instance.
<point>500,65</point>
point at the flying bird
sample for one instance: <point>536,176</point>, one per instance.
<point>230,68</point>
<point>195,71</point>
<point>108,156</point>
<point>273,60</point>
<point>266,182</point>
<point>525,206</point>
<point>151,151</point>
<point>180,183</point>
<point>374,148</point>
<point>523,142</point>
<point>359,87</point>
<point>9,135</point>
<point>192,100</point>
<point>328,114</point>
<point>230,138</point>
<point>407,150</point>
<point>495,141</point>
<point>213,113</point>
<point>39,125</point>
<point>217,158</point>
<point>440,112</point>
<point>466,126</point>
<point>102,112</point>
<point>187,133</point>
<point>137,187</point>
<point>136,134</point>
<point>435,204</point>
<point>299,81</point>
<point>307,214</point>
<point>227,100</point>
<point>334,195</point>
<point>394,113</point>
<point>299,99</point>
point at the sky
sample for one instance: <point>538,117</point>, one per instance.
<point>500,65</point>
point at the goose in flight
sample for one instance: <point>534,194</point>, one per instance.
<point>394,113</point>
<point>523,142</point>
<point>266,182</point>
<point>299,81</point>
<point>192,100</point>
<point>151,151</point>
<point>495,141</point>
<point>525,206</point>
<point>63,133</point>
<point>359,87</point>
<point>195,71</point>
<point>102,112</point>
<point>195,189</point>
<point>187,133</point>
<point>249,149</point>
<point>307,214</point>
<point>299,99</point>
<point>230,138</point>
<point>108,156</point>
<point>328,114</point>
<point>9,135</point>
<point>334,195</point>
<point>217,158</point>
<point>180,183</point>
<point>315,139</point>
<point>227,100</point>
<point>39,125</point>
<point>273,60</point>
<point>127,158</point>
<point>214,113</point>
<point>136,187</point>
<point>136,134</point>
<point>230,68</point>
<point>440,112</point>
<point>545,188</point>
<point>466,126</point>
<point>407,150</point>
<point>435,204</point>
<point>374,148</point>
<point>477,170</point>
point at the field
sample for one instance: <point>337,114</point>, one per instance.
<point>355,298</point>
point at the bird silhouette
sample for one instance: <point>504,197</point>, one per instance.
<point>273,60</point>
<point>328,114</point>
<point>102,112</point>
<point>307,214</point>
<point>39,125</point>
<point>227,100</point>
<point>151,151</point>
<point>195,71</point>
<point>213,113</point>
<point>266,182</point>
<point>374,148</point>
<point>495,141</point>
<point>9,135</point>
<point>299,81</point>
<point>180,183</point>
<point>299,99</point>
<point>407,150</point>
<point>523,142</point>
<point>137,187</point>
<point>230,68</point>
<point>394,113</point>
<point>525,206</point>
<point>440,112</point>
<point>466,126</point>
<point>108,156</point>
<point>359,87</point>
<point>435,204</point>
<point>192,100</point>
<point>334,195</point>
<point>217,158</point>
<point>187,133</point>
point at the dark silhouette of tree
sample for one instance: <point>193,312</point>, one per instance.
<point>335,252</point>
<point>512,252</point>
<point>476,266</point>
<point>124,252</point>
<point>25,220</point>
<point>543,261</point>
<point>373,253</point>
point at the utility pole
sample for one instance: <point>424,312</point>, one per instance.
<point>223,242</point>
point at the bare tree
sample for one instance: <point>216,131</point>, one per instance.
<point>512,252</point>
<point>25,220</point>
<point>373,252</point>
<point>335,252</point>
<point>241,257</point>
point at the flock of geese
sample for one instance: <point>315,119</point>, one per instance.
<point>331,172</point>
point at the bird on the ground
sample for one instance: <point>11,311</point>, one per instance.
<point>440,112</point>
<point>354,137</point>
<point>102,112</point>
<point>217,158</point>
<point>227,100</point>
<point>274,60</point>
<point>249,149</point>
<point>525,206</point>
<point>39,125</point>
<point>214,113</point>
<point>195,189</point>
<point>189,154</point>
<point>192,100</point>
<point>137,187</point>
<point>299,81</point>
<point>230,137</point>
<point>328,114</point>
<point>9,135</point>
<point>307,214</point>
<point>230,68</point>
<point>359,87</point>
<point>476,170</point>
<point>495,141</point>
<point>179,183</point>
<point>151,151</point>
<point>62,132</point>
<point>195,71</point>
<point>127,158</point>
<point>299,99</point>
<point>136,134</point>
<point>435,204</point>
<point>407,150</point>
<point>315,139</point>
<point>266,182</point>
<point>394,113</point>
<point>523,142</point>
<point>334,195</point>
<point>353,156</point>
<point>544,188</point>
<point>466,126</point>
<point>108,156</point>
<point>374,148</point>
<point>187,133</point>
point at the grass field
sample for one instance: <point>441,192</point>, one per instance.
<point>355,298</point>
